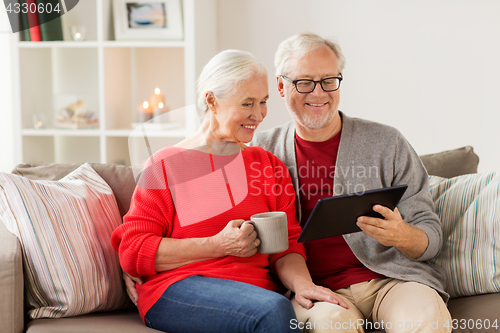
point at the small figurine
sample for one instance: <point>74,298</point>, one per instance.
<point>76,116</point>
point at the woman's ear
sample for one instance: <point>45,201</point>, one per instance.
<point>211,101</point>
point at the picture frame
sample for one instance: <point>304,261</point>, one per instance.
<point>148,20</point>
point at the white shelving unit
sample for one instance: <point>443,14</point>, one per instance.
<point>112,77</point>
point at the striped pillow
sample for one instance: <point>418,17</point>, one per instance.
<point>64,228</point>
<point>469,209</point>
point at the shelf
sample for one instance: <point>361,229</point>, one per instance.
<point>143,43</point>
<point>59,132</point>
<point>174,133</point>
<point>113,78</point>
<point>57,44</point>
<point>83,44</point>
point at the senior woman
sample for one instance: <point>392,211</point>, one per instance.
<point>184,235</point>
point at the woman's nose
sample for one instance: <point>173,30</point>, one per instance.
<point>259,113</point>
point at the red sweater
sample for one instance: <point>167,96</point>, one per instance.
<point>187,194</point>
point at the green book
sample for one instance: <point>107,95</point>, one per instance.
<point>50,23</point>
<point>25,26</point>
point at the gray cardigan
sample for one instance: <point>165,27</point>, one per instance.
<point>371,156</point>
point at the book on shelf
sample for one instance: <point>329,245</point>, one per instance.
<point>50,23</point>
<point>25,26</point>
<point>33,22</point>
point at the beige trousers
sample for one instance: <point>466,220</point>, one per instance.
<point>388,305</point>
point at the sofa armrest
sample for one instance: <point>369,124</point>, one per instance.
<point>11,282</point>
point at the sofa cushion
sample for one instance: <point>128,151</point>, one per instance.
<point>64,228</point>
<point>469,209</point>
<point>120,178</point>
<point>125,321</point>
<point>451,163</point>
<point>475,313</point>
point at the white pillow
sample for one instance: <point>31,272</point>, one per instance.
<point>64,228</point>
<point>469,209</point>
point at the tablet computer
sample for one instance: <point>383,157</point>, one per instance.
<point>338,215</point>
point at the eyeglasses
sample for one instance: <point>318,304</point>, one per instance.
<point>304,86</point>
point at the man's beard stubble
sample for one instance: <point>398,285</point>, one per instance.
<point>315,121</point>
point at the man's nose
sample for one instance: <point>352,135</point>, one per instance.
<point>318,90</point>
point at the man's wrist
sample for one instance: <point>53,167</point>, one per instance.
<point>415,242</point>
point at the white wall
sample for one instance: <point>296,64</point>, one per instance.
<point>429,68</point>
<point>7,161</point>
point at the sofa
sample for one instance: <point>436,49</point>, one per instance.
<point>470,313</point>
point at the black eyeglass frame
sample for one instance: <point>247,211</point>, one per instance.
<point>340,78</point>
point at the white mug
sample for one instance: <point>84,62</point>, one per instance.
<point>272,231</point>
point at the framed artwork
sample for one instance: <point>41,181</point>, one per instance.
<point>148,19</point>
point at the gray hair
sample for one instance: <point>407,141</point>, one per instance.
<point>223,73</point>
<point>301,44</point>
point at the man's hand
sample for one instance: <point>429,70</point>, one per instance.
<point>392,230</point>
<point>236,240</point>
<point>307,293</point>
<point>130,284</point>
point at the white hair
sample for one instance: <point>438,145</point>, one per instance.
<point>223,73</point>
<point>301,44</point>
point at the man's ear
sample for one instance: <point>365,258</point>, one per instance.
<point>279,83</point>
<point>211,101</point>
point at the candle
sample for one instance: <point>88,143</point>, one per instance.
<point>158,112</point>
<point>78,33</point>
<point>145,112</point>
<point>156,98</point>
<point>38,121</point>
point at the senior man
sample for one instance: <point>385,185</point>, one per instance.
<point>383,273</point>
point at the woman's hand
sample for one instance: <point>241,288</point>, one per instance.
<point>130,284</point>
<point>236,240</point>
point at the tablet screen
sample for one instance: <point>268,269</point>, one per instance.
<point>338,215</point>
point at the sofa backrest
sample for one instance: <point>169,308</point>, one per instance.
<point>120,178</point>
<point>451,163</point>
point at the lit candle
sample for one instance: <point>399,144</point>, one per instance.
<point>156,98</point>
<point>158,112</point>
<point>145,112</point>
<point>38,121</point>
<point>78,32</point>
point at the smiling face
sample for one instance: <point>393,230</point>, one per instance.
<point>316,111</point>
<point>235,118</point>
